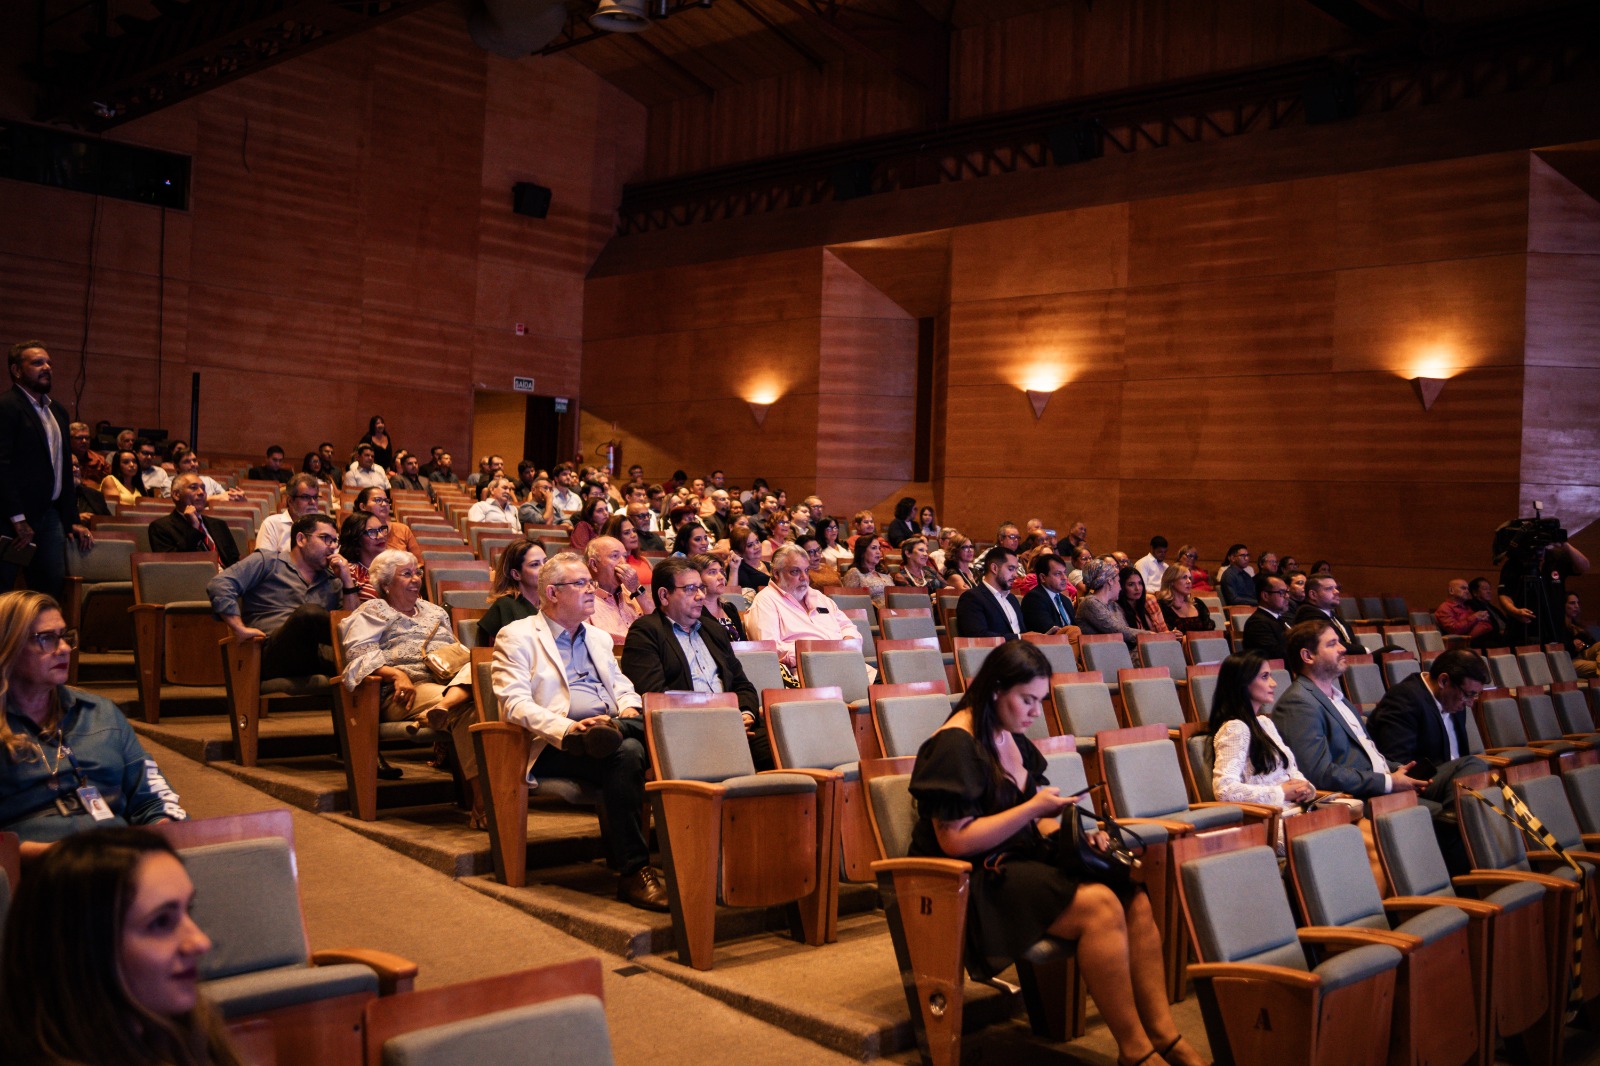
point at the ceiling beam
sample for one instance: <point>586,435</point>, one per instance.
<point>777,29</point>
<point>914,46</point>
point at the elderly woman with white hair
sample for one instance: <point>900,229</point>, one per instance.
<point>389,638</point>
<point>1096,612</point>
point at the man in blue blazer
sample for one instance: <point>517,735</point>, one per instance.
<point>990,610</point>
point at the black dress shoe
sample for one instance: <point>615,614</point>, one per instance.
<point>596,742</point>
<point>387,772</point>
<point>645,889</point>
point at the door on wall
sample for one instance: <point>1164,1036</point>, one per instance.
<point>517,426</point>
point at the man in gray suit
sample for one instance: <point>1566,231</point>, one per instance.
<point>1329,742</point>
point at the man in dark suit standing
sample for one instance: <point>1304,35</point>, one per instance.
<point>37,503</point>
<point>188,528</point>
<point>989,610</point>
<point>1046,609</point>
<point>1322,605</point>
<point>669,650</point>
<point>1267,630</point>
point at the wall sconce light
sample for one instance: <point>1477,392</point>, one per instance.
<point>1038,398</point>
<point>759,410</point>
<point>1427,390</point>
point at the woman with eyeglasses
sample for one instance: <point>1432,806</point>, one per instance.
<point>1200,581</point>
<point>362,538</point>
<point>716,581</point>
<point>68,758</point>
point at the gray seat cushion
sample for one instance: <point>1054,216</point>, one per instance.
<point>1204,818</point>
<point>1583,793</point>
<point>1515,897</point>
<point>286,986</point>
<point>773,784</point>
<point>1349,967</point>
<point>571,1031</point>
<point>894,812</point>
<point>1411,853</point>
<point>1432,925</point>
<point>1145,781</point>
<point>701,744</point>
<point>568,791</point>
<point>311,685</point>
<point>907,721</point>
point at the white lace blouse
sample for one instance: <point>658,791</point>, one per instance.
<point>1234,781</point>
<point>377,635</point>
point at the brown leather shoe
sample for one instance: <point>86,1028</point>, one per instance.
<point>596,742</point>
<point>645,889</point>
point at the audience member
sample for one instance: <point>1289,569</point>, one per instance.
<point>91,504</point>
<point>101,959</point>
<point>730,616</point>
<point>362,538</point>
<point>401,536</point>
<point>92,464</point>
<point>1046,608</point>
<point>1572,632</point>
<point>389,638</point>
<point>928,523</point>
<point>377,435</point>
<point>1082,556</point>
<point>1180,609</point>
<point>746,568</point>
<point>1457,617</point>
<point>1251,763</point>
<point>515,591</point>
<point>1139,610</point>
<point>1200,581</point>
<point>916,566</point>
<point>365,473</point>
<point>122,484</point>
<point>691,539</point>
<point>1008,536</point>
<point>1267,631</point>
<point>671,650</point>
<point>1323,731</point>
<point>789,609</point>
<point>1288,564</point>
<point>40,508</point>
<point>823,573</point>
<point>70,760</point>
<point>152,478</point>
<point>641,518</point>
<point>779,532</point>
<point>273,469</point>
<point>867,570</point>
<point>1236,581</point>
<point>563,496</point>
<point>1322,605</point>
<point>1321,566</point>
<point>216,492</point>
<point>982,796</point>
<point>555,675</point>
<point>284,598</point>
<point>905,522</point>
<point>188,528</point>
<point>989,609</point>
<point>592,517</point>
<point>410,477</point>
<point>619,596</point>
<point>833,552</point>
<point>1297,589</point>
<point>1078,536</point>
<point>1153,564</point>
<point>497,507</point>
<point>1096,610</point>
<point>1481,590</point>
<point>863,524</point>
<point>958,562</point>
<point>619,528</point>
<point>443,472</point>
<point>720,520</point>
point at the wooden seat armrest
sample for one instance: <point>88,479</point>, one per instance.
<point>1173,828</point>
<point>71,598</point>
<point>952,868</point>
<point>148,608</point>
<point>1278,975</point>
<point>1546,745</point>
<point>395,974</point>
<point>1496,761</point>
<point>1492,879</point>
<point>1554,861</point>
<point>818,775</point>
<point>1252,810</point>
<point>1344,938</point>
<point>697,789</point>
<point>1474,908</point>
<point>497,727</point>
<point>1591,841</point>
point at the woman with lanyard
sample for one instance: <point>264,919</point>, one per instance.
<point>68,759</point>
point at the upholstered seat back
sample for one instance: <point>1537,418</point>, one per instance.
<point>1202,690</point>
<point>1572,711</point>
<point>1494,842</point>
<point>913,626</point>
<point>894,812</point>
<point>1363,683</point>
<point>969,660</point>
<point>1336,880</point>
<point>1167,653</point>
<point>700,744</point>
<point>1144,779</point>
<point>762,668</point>
<point>1539,717</point>
<point>1106,656</point>
<point>1503,721</point>
<point>1546,797</point>
<point>1060,657</point>
<point>846,670</point>
<point>175,580</point>
<point>1583,793</point>
<point>1152,701</point>
<point>1411,853</point>
<point>1239,909</point>
<point>903,666</point>
<point>1202,757</point>
<point>1535,667</point>
<point>904,722</point>
<point>248,903</point>
<point>1084,709</point>
<point>814,734</point>
<point>1208,649</point>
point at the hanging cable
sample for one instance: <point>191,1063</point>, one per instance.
<point>82,377</point>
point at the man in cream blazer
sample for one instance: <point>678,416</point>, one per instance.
<point>556,676</point>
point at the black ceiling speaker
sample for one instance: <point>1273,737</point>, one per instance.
<point>1077,141</point>
<point>530,199</point>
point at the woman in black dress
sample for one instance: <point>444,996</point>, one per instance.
<point>982,796</point>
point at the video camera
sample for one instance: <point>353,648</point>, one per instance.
<point>1525,538</point>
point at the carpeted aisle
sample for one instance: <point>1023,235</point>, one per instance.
<point>359,893</point>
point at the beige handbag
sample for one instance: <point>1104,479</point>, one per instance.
<point>445,661</point>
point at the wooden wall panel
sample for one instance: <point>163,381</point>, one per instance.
<point>991,432</point>
<point>1054,339</point>
<point>1066,251</point>
<point>1563,310</point>
<point>764,288</point>
<point>1209,330</point>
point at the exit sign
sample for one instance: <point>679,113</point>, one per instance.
<point>522,384</point>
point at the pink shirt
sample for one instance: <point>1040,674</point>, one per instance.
<point>614,614</point>
<point>775,615</point>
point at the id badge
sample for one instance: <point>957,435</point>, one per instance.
<point>94,803</point>
<point>69,804</point>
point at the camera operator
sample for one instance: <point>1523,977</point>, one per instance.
<point>1533,589</point>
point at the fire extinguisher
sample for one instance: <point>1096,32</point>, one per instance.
<point>610,454</point>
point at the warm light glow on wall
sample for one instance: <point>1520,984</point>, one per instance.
<point>1435,361</point>
<point>1041,378</point>
<point>765,394</point>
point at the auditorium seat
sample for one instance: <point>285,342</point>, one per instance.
<point>1266,997</point>
<point>1151,698</point>
<point>1084,710</point>
<point>174,630</point>
<point>731,835</point>
<point>1057,648</point>
<point>833,663</point>
<point>905,715</point>
<point>1327,870</point>
<point>812,728</point>
<point>1206,647</point>
<point>970,653</point>
<point>759,660</point>
<point>1164,650</point>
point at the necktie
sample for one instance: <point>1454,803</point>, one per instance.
<point>205,535</point>
<point>1061,610</point>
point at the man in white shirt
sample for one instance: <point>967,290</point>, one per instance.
<point>1325,733</point>
<point>789,609</point>
<point>363,474</point>
<point>497,506</point>
<point>304,497</point>
<point>990,610</point>
<point>565,500</point>
<point>1152,565</point>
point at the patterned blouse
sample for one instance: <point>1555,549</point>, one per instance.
<point>377,635</point>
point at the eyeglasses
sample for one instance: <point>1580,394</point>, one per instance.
<point>381,531</point>
<point>303,498</point>
<point>51,639</point>
<point>580,584</point>
<point>691,590</point>
<point>327,538</point>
